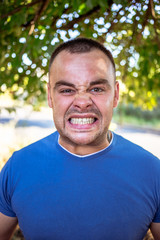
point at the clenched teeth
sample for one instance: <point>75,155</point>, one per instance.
<point>82,120</point>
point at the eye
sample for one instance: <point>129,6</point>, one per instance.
<point>97,89</point>
<point>67,91</point>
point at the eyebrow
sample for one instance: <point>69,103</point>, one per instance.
<point>63,83</point>
<point>101,81</point>
<point>96,82</point>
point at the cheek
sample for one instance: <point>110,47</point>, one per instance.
<point>61,104</point>
<point>104,103</point>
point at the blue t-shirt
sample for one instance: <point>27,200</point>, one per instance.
<point>56,195</point>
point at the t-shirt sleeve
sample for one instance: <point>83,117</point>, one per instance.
<point>6,191</point>
<point>157,215</point>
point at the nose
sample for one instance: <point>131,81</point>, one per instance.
<point>82,101</point>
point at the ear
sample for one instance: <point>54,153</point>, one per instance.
<point>116,94</point>
<point>49,97</point>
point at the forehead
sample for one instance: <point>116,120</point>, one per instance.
<point>93,64</point>
<point>96,56</point>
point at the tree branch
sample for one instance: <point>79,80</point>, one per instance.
<point>81,17</point>
<point>128,54</point>
<point>102,38</point>
<point>18,9</point>
<point>152,10</point>
<point>155,22</point>
<point>139,36</point>
<point>57,17</point>
<point>38,14</point>
<point>113,23</point>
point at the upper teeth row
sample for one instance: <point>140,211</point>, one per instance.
<point>82,120</point>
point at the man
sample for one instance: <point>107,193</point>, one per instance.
<point>82,182</point>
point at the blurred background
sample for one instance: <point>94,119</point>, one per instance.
<point>29,32</point>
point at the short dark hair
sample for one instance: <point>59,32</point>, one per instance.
<point>81,45</point>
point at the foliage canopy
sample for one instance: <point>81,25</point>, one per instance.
<point>30,30</point>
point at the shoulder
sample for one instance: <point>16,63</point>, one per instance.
<point>126,144</point>
<point>133,152</point>
<point>140,164</point>
<point>40,145</point>
<point>33,153</point>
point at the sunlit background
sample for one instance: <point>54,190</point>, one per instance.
<point>30,31</point>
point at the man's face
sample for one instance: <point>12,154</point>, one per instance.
<point>82,93</point>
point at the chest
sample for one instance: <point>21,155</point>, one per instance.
<point>71,204</point>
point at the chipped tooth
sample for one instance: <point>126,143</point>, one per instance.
<point>82,120</point>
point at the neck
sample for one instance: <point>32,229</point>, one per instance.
<point>85,149</point>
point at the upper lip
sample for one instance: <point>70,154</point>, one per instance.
<point>82,115</point>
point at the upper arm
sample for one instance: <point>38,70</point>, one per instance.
<point>155,229</point>
<point>7,226</point>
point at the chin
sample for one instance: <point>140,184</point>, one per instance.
<point>83,139</point>
<point>81,142</point>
